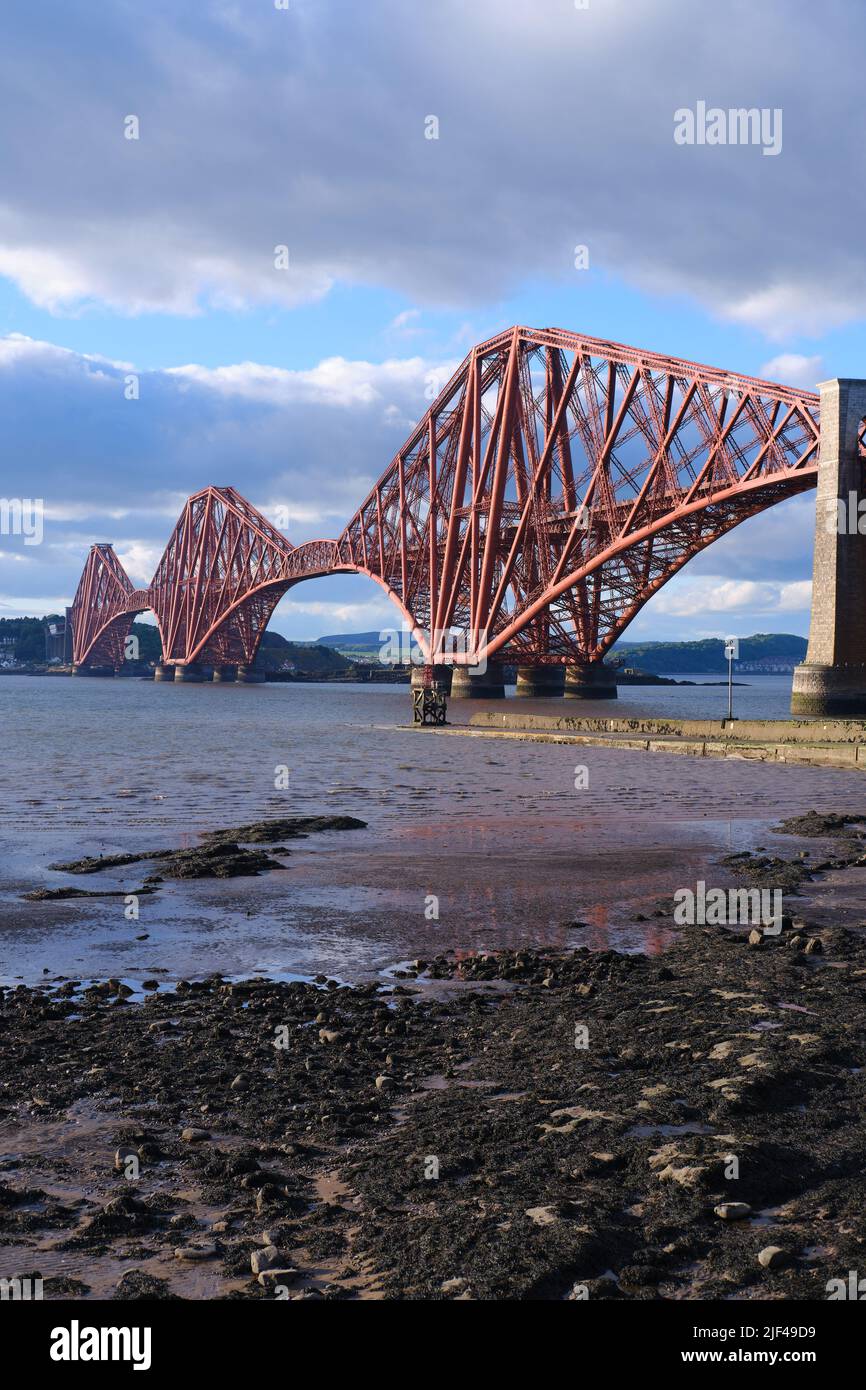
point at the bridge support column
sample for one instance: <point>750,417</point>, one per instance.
<point>224,673</point>
<point>189,672</point>
<point>595,681</point>
<point>488,686</point>
<point>536,682</point>
<point>93,671</point>
<point>248,675</point>
<point>430,694</point>
<point>442,675</point>
<point>832,680</point>
<point>161,672</point>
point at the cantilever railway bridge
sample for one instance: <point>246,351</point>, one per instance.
<point>554,485</point>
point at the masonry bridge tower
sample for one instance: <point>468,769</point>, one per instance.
<point>832,680</point>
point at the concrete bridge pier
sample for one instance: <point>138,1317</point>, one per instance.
<point>832,680</point>
<point>161,672</point>
<point>540,682</point>
<point>247,675</point>
<point>442,675</point>
<point>595,681</point>
<point>490,685</point>
<point>224,673</point>
<point>93,671</point>
<point>191,671</point>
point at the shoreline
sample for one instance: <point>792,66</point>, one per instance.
<point>829,742</point>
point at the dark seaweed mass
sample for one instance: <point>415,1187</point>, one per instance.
<point>533,1125</point>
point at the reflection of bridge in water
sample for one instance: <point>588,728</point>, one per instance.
<point>554,485</point>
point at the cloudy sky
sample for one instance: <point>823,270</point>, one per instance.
<point>304,124</point>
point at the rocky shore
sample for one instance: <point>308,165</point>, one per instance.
<point>528,1125</point>
<point>220,856</point>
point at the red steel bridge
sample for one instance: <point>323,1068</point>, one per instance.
<point>554,485</point>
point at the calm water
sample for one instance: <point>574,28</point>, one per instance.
<point>494,829</point>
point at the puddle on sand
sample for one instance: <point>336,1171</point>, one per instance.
<point>353,1272</point>
<point>331,1190</point>
<point>101,1273</point>
<point>768,1216</point>
<point>71,1161</point>
<point>439,1082</point>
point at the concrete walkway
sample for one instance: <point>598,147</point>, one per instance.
<point>828,742</point>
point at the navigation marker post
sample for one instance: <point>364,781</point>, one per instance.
<point>732,652</point>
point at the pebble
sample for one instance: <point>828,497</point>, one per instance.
<point>269,1278</point>
<point>542,1216</point>
<point>260,1260</point>
<point>191,1135</point>
<point>774,1257</point>
<point>732,1211</point>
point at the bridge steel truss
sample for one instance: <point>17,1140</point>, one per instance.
<point>554,485</point>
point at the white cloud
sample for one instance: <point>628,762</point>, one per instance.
<point>30,605</point>
<point>19,348</point>
<point>140,560</point>
<point>334,381</point>
<point>406,323</point>
<point>795,597</point>
<point>686,596</point>
<point>805,305</point>
<point>305,128</point>
<point>349,617</point>
<point>92,511</point>
<point>793,369</point>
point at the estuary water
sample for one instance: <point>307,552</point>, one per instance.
<point>494,835</point>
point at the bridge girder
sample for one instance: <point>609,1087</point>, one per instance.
<point>554,485</point>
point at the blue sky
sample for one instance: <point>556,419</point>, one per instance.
<point>305,127</point>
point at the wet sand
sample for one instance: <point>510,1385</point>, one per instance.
<point>513,852</point>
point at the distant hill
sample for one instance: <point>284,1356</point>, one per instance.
<point>763,649</point>
<point>276,653</point>
<point>774,649</point>
<point>353,641</point>
<point>149,644</point>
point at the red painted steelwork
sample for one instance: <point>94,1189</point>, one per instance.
<point>554,485</point>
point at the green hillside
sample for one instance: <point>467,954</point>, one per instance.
<point>708,656</point>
